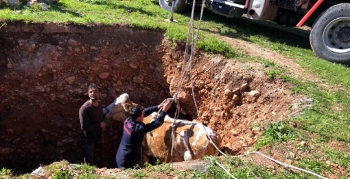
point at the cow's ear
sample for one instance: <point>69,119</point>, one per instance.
<point>127,107</point>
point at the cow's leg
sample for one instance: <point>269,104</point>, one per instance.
<point>188,155</point>
<point>145,151</point>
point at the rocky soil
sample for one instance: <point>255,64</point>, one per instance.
<point>46,69</point>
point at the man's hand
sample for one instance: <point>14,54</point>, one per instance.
<point>166,105</point>
<point>108,115</point>
<point>163,103</point>
<point>103,125</point>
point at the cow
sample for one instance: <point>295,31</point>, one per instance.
<point>190,139</point>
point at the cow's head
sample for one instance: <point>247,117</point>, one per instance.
<point>120,108</point>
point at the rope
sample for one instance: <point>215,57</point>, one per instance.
<point>187,69</point>
<point>223,168</point>
<point>190,29</point>
<point>183,74</point>
<point>192,86</point>
<point>287,165</point>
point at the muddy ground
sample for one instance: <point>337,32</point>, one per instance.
<point>46,69</point>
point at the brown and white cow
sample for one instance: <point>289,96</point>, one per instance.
<point>190,138</point>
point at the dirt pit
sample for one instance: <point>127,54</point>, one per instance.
<point>46,69</point>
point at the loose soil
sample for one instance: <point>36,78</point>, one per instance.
<point>46,69</point>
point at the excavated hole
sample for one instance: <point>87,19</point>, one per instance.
<point>46,69</point>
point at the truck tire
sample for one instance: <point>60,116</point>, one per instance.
<point>330,35</point>
<point>179,6</point>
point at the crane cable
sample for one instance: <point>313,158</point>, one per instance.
<point>185,71</point>
<point>185,68</point>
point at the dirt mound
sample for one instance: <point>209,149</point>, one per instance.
<point>46,69</point>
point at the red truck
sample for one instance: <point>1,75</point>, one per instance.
<point>329,19</point>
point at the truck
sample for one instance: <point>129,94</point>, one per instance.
<point>329,19</point>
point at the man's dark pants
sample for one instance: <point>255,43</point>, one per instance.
<point>88,148</point>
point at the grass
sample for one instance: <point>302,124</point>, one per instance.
<point>326,121</point>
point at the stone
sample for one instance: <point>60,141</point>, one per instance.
<point>254,93</point>
<point>70,80</point>
<point>31,48</point>
<point>16,140</point>
<point>104,75</point>
<point>236,91</point>
<point>83,49</point>
<point>244,87</point>
<point>53,97</point>
<point>9,64</point>
<point>236,98</point>
<point>78,91</point>
<point>39,89</point>
<point>293,124</point>
<point>228,92</point>
<point>256,130</point>
<point>14,3</point>
<point>20,41</point>
<point>93,48</point>
<point>73,42</point>
<point>137,79</point>
<point>133,66</point>
<point>234,132</point>
<point>44,7</point>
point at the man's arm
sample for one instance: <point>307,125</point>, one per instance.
<point>154,124</point>
<point>150,110</point>
<point>160,119</point>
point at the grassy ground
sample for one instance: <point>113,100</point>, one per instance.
<point>325,122</point>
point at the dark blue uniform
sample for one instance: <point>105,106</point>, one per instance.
<point>130,146</point>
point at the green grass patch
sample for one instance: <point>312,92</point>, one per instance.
<point>276,132</point>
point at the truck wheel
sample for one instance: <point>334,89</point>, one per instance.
<point>179,6</point>
<point>330,35</point>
